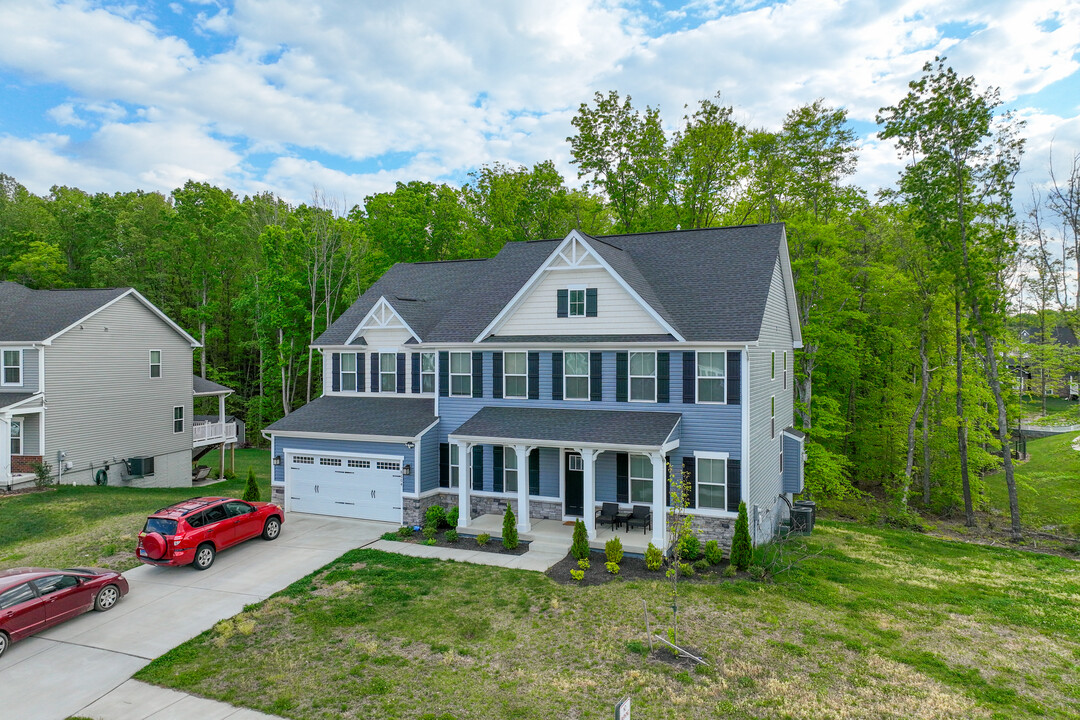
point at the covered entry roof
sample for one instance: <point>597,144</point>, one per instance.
<point>383,417</point>
<point>540,426</point>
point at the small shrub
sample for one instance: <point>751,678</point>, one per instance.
<point>452,516</point>
<point>757,572</point>
<point>701,565</point>
<point>390,536</point>
<point>654,558</point>
<point>729,571</point>
<point>483,539</point>
<point>251,489</point>
<point>686,569</point>
<point>740,544</point>
<point>42,473</point>
<point>510,534</point>
<point>613,550</point>
<point>583,564</point>
<point>713,553</point>
<point>637,647</point>
<point>578,575</point>
<point>435,516</point>
<point>450,536</point>
<point>430,541</point>
<point>430,531</point>
<point>229,474</point>
<point>405,532</point>
<point>612,567</point>
<point>690,548</point>
<point>579,548</point>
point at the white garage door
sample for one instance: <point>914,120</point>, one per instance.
<point>357,486</point>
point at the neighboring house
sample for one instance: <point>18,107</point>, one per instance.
<point>556,376</point>
<point>1062,385</point>
<point>91,381</point>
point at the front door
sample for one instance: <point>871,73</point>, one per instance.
<point>575,485</point>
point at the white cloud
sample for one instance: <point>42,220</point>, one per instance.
<point>64,114</point>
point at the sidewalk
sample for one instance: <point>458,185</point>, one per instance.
<point>136,700</point>
<point>537,560</point>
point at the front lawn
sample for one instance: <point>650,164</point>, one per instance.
<point>881,624</point>
<point>1048,486</point>
<point>89,525</point>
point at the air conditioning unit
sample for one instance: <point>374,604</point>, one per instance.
<point>140,466</point>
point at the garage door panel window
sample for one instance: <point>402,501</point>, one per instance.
<point>359,463</point>
<point>334,462</point>
<point>387,465</point>
<point>304,460</point>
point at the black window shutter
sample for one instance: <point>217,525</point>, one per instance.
<point>444,464</point>
<point>596,376</point>
<point>562,303</point>
<point>401,373</point>
<point>663,377</point>
<point>497,467</point>
<point>534,376</point>
<point>734,377</point>
<point>416,372</point>
<point>360,371</point>
<point>478,374</point>
<point>689,377</point>
<point>689,467</point>
<point>622,376</point>
<point>590,302</point>
<point>444,373</point>
<point>622,477</point>
<point>335,368</point>
<point>478,467</point>
<point>534,472</point>
<point>374,372</point>
<point>496,375</point>
<point>734,484</point>
<point>556,376</point>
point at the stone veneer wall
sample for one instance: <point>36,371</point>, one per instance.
<point>712,528</point>
<point>491,505</point>
<point>414,509</point>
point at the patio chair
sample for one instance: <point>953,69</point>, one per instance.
<point>609,513</point>
<point>642,516</point>
<point>200,473</point>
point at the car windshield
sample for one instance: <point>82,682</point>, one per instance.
<point>160,525</point>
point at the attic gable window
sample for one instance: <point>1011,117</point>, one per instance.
<point>13,361</point>
<point>576,302</point>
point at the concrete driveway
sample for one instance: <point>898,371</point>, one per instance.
<point>57,673</point>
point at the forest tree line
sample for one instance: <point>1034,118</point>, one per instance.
<point>909,300</point>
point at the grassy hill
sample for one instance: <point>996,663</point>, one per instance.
<point>1048,486</point>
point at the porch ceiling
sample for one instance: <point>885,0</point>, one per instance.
<point>543,426</point>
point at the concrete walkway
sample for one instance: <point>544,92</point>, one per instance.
<point>136,700</point>
<point>538,560</point>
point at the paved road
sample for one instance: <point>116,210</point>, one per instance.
<point>58,673</point>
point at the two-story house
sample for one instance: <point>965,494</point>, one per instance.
<point>558,375</point>
<point>97,381</point>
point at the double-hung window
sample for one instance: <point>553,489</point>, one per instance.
<point>427,372</point>
<point>515,375</point>
<point>348,372</point>
<point>577,302</point>
<point>710,377</point>
<point>16,436</point>
<point>12,370</point>
<point>387,372</point>
<point>641,479</point>
<point>576,375</point>
<point>155,363</point>
<point>642,377</point>
<point>785,369</point>
<point>711,483</point>
<point>455,466</point>
<point>510,470</point>
<point>178,419</point>
<point>461,374</point>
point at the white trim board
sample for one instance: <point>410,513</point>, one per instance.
<point>383,315</point>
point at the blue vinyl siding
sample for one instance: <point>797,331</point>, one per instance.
<point>283,444</point>
<point>550,461</point>
<point>429,460</point>
<point>605,477</point>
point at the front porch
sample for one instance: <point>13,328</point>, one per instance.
<point>556,535</point>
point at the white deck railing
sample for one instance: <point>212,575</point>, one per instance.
<point>211,433</point>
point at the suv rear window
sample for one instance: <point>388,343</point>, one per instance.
<point>163,526</point>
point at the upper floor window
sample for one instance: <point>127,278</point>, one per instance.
<point>577,303</point>
<point>461,374</point>
<point>576,375</point>
<point>387,372</point>
<point>773,368</point>
<point>178,419</point>
<point>710,377</point>
<point>510,470</point>
<point>785,369</point>
<point>155,363</point>
<point>643,376</point>
<point>515,375</point>
<point>427,372</point>
<point>348,372</point>
<point>13,374</point>
<point>711,483</point>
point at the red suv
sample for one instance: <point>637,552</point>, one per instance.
<point>192,532</point>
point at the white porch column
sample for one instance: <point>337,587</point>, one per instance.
<point>588,457</point>
<point>5,452</point>
<point>464,485</point>
<point>524,524</point>
<point>221,411</point>
<point>659,504</point>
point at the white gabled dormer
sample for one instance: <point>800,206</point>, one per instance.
<point>577,292</point>
<point>383,326</point>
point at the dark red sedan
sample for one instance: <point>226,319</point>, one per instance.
<point>193,531</point>
<point>32,599</point>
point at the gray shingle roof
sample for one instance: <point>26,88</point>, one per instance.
<point>333,415</point>
<point>33,315</point>
<point>709,284</point>
<point>201,386</point>
<point>564,339</point>
<point>605,427</point>
<point>12,398</point>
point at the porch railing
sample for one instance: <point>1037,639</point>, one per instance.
<point>207,433</point>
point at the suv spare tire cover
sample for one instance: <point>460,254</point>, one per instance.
<point>154,545</point>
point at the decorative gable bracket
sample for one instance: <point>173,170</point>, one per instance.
<point>382,316</point>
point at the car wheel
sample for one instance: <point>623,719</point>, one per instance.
<point>204,556</point>
<point>4,642</point>
<point>271,529</point>
<point>106,598</point>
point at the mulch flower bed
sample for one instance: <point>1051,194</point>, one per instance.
<point>494,545</point>
<point>631,568</point>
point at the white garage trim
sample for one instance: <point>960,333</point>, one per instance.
<point>290,459</point>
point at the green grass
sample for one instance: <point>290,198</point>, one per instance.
<point>90,525</point>
<point>877,624</point>
<point>1059,411</point>
<point>1048,486</point>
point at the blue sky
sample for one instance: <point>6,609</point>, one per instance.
<point>349,97</point>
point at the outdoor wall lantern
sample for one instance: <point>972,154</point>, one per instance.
<point>277,460</point>
<point>410,445</point>
<point>407,470</point>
